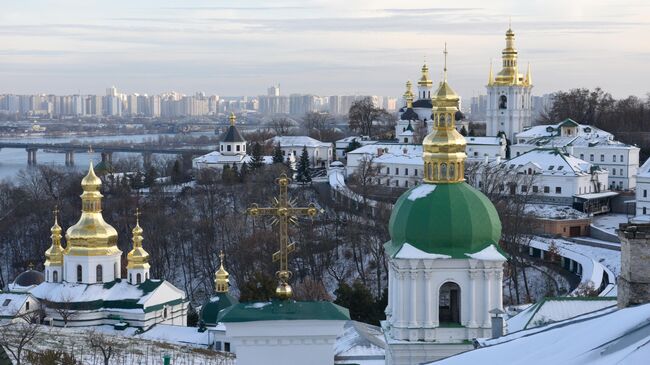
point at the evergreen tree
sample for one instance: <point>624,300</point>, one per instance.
<point>257,160</point>
<point>150,176</point>
<point>463,131</point>
<point>277,155</point>
<point>353,145</point>
<point>302,173</point>
<point>243,173</point>
<point>177,173</point>
<point>362,305</point>
<point>260,287</point>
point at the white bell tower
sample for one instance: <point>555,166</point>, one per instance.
<point>509,95</point>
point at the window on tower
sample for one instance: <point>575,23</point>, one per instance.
<point>503,102</point>
<point>99,273</point>
<point>79,272</point>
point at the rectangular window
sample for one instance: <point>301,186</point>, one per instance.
<point>591,157</point>
<point>406,172</point>
<point>228,148</point>
<point>397,171</point>
<point>621,158</point>
<point>535,189</point>
<point>582,156</point>
<point>238,148</point>
<point>620,172</point>
<point>396,182</point>
<point>645,193</point>
<point>558,190</point>
<point>415,172</point>
<point>388,171</point>
<point>547,189</point>
<point>614,172</point>
<point>613,158</point>
<point>524,188</point>
<point>387,182</point>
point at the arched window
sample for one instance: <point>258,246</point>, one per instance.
<point>435,171</point>
<point>55,276</point>
<point>165,313</point>
<point>99,273</point>
<point>79,272</point>
<point>130,278</point>
<point>443,171</point>
<point>115,273</point>
<point>452,171</point>
<point>503,102</point>
<point>449,303</point>
<point>138,278</point>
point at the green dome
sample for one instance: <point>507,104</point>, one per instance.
<point>211,309</point>
<point>445,219</point>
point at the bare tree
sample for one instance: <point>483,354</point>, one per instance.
<point>364,175</point>
<point>369,120</point>
<point>63,308</point>
<point>281,125</point>
<point>106,345</point>
<point>15,337</point>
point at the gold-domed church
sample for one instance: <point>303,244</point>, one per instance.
<point>83,283</point>
<point>445,264</point>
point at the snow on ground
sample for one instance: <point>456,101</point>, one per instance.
<point>541,283</point>
<point>606,337</point>
<point>553,211</point>
<point>609,222</point>
<point>130,348</point>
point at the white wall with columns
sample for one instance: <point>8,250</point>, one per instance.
<point>413,306</point>
<point>110,268</point>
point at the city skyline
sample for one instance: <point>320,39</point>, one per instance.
<point>324,48</point>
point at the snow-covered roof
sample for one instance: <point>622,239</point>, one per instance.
<point>644,170</point>
<point>551,310</point>
<point>216,158</point>
<point>10,303</point>
<point>359,342</point>
<point>549,211</point>
<point>390,148</point>
<point>551,161</point>
<point>106,293</point>
<point>549,135</point>
<point>298,141</point>
<point>604,337</point>
<point>176,334</point>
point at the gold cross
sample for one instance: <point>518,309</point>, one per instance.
<point>283,212</point>
<point>137,216</point>
<point>56,212</point>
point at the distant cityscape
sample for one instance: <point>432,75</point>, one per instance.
<point>173,104</point>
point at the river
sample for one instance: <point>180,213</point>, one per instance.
<point>12,160</point>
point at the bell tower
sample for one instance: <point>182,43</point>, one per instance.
<point>509,95</point>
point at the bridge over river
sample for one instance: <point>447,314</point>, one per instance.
<point>106,151</point>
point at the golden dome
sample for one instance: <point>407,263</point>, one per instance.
<point>221,277</point>
<point>91,235</point>
<point>509,74</point>
<point>54,254</point>
<point>424,78</point>
<point>444,148</point>
<point>137,258</point>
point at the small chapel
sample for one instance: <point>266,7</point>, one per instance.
<point>83,285</point>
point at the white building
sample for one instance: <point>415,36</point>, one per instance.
<point>643,189</point>
<point>16,307</point>
<point>400,165</point>
<point>509,101</point>
<point>587,143</point>
<point>320,153</point>
<point>551,175</point>
<point>344,143</point>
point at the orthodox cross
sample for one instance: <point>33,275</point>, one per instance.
<point>137,215</point>
<point>283,213</point>
<point>56,212</point>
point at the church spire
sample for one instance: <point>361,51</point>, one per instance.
<point>491,76</point>
<point>54,254</point>
<point>529,76</point>
<point>408,95</point>
<point>221,281</point>
<point>444,148</point>
<point>232,119</point>
<point>509,74</point>
<point>425,81</point>
<point>137,259</point>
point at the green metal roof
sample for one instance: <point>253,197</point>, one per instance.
<point>210,310</point>
<point>451,219</point>
<point>284,310</point>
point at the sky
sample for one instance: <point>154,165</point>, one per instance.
<point>322,47</point>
